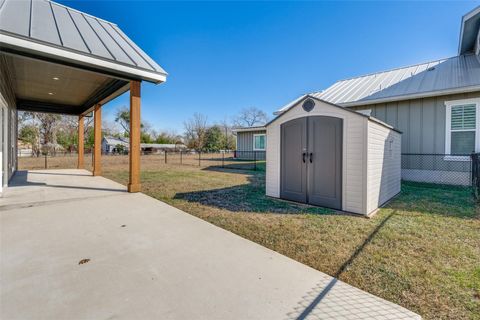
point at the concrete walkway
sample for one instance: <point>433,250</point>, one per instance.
<point>148,260</point>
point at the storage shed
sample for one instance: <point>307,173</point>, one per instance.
<point>323,154</point>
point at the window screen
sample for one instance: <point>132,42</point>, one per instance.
<point>463,125</point>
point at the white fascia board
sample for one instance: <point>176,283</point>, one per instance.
<point>67,55</point>
<point>249,129</point>
<point>411,96</point>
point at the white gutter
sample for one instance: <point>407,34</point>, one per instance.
<point>249,129</point>
<point>70,56</point>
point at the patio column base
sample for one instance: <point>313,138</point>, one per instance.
<point>134,187</point>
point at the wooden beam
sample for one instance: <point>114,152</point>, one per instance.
<point>97,148</point>
<point>134,177</point>
<point>81,142</point>
<point>36,106</point>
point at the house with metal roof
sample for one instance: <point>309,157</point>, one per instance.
<point>57,59</point>
<point>435,104</point>
<point>120,145</point>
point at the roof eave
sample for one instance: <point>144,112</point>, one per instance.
<point>42,50</point>
<point>249,129</point>
<point>467,16</point>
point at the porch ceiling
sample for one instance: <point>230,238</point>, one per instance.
<point>48,87</point>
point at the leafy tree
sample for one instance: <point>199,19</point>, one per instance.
<point>214,139</point>
<point>122,117</point>
<point>29,134</point>
<point>145,137</point>
<point>168,138</point>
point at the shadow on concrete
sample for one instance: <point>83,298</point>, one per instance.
<point>20,179</point>
<point>59,174</point>
<point>320,296</point>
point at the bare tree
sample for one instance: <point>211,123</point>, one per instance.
<point>195,131</point>
<point>250,117</point>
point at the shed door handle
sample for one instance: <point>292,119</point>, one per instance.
<point>303,156</point>
<point>311,157</point>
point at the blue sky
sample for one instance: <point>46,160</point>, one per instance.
<point>224,56</point>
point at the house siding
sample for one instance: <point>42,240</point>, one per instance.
<point>245,140</point>
<point>422,122</point>
<point>383,165</point>
<point>9,125</point>
<point>354,155</point>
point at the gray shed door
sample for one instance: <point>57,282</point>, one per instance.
<point>325,161</point>
<point>311,161</point>
<point>293,162</point>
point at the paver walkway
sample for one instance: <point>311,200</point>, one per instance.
<point>148,260</point>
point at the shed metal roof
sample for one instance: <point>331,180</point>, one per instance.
<point>49,28</point>
<point>446,76</point>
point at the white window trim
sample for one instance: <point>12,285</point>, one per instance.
<point>257,135</point>
<point>448,126</point>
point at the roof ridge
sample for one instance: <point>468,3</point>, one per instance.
<point>78,11</point>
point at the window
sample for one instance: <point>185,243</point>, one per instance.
<point>259,142</point>
<point>462,126</point>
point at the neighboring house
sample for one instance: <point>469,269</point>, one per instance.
<point>435,104</point>
<point>24,149</point>
<point>251,142</point>
<point>111,145</point>
<point>162,147</point>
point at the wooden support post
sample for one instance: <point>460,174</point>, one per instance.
<point>97,147</point>
<point>81,142</point>
<point>134,181</point>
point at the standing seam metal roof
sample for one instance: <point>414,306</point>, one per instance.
<point>56,25</point>
<point>460,73</point>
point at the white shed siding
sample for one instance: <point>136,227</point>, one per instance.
<point>354,156</point>
<point>383,167</point>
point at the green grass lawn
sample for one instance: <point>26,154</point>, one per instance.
<point>421,251</point>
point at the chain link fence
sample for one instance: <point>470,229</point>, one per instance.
<point>438,168</point>
<point>239,160</point>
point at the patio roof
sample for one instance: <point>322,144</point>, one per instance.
<point>62,60</point>
<point>49,29</point>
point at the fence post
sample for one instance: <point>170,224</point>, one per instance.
<point>165,156</point>
<point>181,159</point>
<point>46,160</point>
<point>199,158</point>
<point>223,159</point>
<point>254,160</point>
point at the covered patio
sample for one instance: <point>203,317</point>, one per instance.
<point>59,60</point>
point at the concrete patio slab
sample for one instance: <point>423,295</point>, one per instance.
<point>148,260</point>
